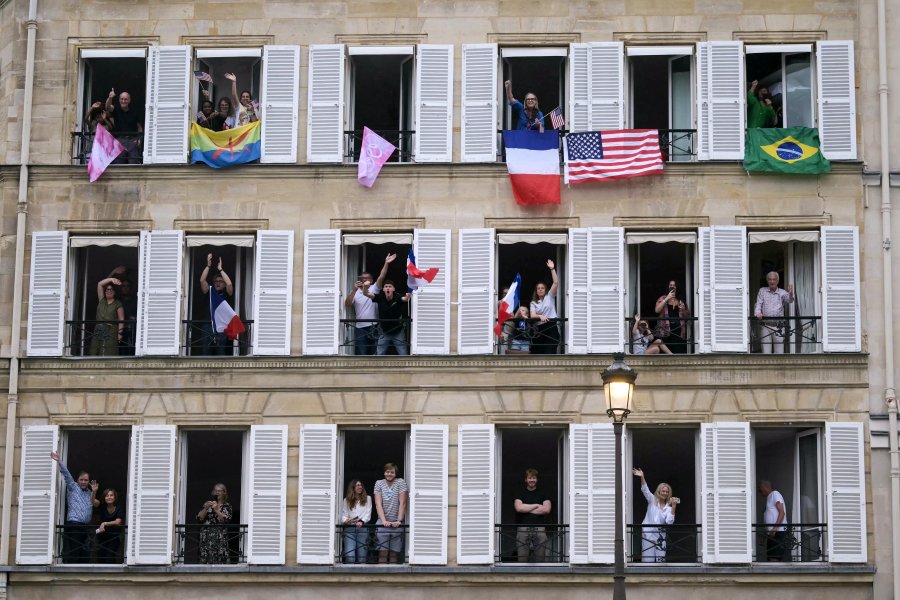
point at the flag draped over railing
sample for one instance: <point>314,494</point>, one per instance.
<point>612,154</point>
<point>795,150</point>
<point>220,149</point>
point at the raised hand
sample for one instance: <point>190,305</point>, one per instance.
<point>231,76</point>
<point>94,485</point>
<point>55,456</point>
<point>390,258</point>
<point>209,259</point>
<point>112,93</point>
<point>637,472</point>
<point>550,264</point>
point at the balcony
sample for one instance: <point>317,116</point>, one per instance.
<point>210,544</point>
<point>658,544</point>
<point>532,336</point>
<point>800,542</point>
<point>98,338</point>
<point>677,333</point>
<point>353,342</point>
<point>83,142</point>
<point>81,544</point>
<point>370,544</point>
<point>199,340</point>
<point>402,139</point>
<point>541,544</point>
<point>792,335</point>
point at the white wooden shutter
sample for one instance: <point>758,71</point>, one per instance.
<point>703,127</point>
<point>728,289</point>
<point>606,273</point>
<point>317,497</point>
<point>151,487</point>
<point>840,289</point>
<point>479,103</point>
<point>47,293</point>
<point>280,93</point>
<point>159,299</point>
<point>705,292</point>
<point>475,495</point>
<point>846,492</point>
<point>268,490</point>
<point>321,291</point>
<point>477,296</point>
<point>428,495</point>
<point>577,292</point>
<point>836,99</point>
<point>602,498</point>
<point>579,493</point>
<point>431,304</point>
<point>37,496</point>
<point>434,103</point>
<point>166,118</point>
<point>727,100</point>
<point>578,117</point>
<point>607,64</point>
<point>727,492</point>
<point>272,289</point>
<point>325,113</point>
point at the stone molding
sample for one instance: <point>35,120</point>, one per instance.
<point>220,225</point>
<point>108,226</point>
<point>783,222</point>
<point>227,41</point>
<point>377,225</point>
<point>380,39</point>
<point>534,39</point>
<point>657,223</point>
<point>779,37</point>
<point>524,224</point>
<point>644,38</point>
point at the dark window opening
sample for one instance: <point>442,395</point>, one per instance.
<point>788,79</point>
<point>662,99</point>
<point>366,451</point>
<point>544,76</point>
<point>247,70</point>
<point>382,101</point>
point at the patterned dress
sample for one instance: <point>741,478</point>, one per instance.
<point>214,537</point>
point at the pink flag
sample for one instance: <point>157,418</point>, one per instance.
<point>374,153</point>
<point>105,150</point>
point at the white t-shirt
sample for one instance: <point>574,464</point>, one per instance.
<point>362,511</point>
<point>546,307</point>
<point>771,515</point>
<point>364,307</point>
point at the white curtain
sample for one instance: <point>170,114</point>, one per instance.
<point>805,294</point>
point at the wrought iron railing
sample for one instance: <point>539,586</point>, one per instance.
<point>210,544</point>
<point>677,145</point>
<point>532,336</point>
<point>792,335</point>
<point>371,544</point>
<point>532,544</point>
<point>799,542</point>
<point>402,139</point>
<point>360,343</point>
<point>679,543</point>
<point>99,338</point>
<point>83,142</point>
<point>200,340</point>
<point>84,544</point>
<point>676,334</point>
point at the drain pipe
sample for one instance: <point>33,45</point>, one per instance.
<point>15,335</point>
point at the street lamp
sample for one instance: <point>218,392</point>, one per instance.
<point>618,387</point>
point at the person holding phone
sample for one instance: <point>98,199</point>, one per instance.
<point>216,513</point>
<point>673,313</point>
<point>661,507</point>
<point>365,337</point>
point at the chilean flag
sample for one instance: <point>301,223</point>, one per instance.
<point>416,278</point>
<point>224,319</point>
<point>508,305</point>
<point>532,158</point>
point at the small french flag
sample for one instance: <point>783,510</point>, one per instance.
<point>224,319</point>
<point>508,305</point>
<point>415,278</point>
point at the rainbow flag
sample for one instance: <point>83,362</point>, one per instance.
<point>226,148</point>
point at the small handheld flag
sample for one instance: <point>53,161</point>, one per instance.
<point>415,278</point>
<point>508,305</point>
<point>557,120</point>
<point>203,76</point>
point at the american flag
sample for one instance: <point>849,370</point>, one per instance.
<point>557,119</point>
<point>613,154</point>
<point>203,76</point>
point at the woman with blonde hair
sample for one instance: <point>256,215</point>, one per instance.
<point>660,511</point>
<point>356,511</point>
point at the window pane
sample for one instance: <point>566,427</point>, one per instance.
<point>798,96</point>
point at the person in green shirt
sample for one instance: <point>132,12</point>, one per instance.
<point>760,112</point>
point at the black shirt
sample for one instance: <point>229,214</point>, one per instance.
<point>127,121</point>
<point>529,497</point>
<point>390,312</point>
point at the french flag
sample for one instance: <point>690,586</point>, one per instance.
<point>224,319</point>
<point>508,305</point>
<point>532,158</point>
<point>415,278</point>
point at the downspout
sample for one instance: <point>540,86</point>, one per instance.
<point>16,329</point>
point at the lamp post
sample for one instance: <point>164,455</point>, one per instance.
<point>618,387</point>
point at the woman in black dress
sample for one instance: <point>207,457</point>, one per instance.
<point>213,536</point>
<point>109,533</point>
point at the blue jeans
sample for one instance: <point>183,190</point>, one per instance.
<point>214,343</point>
<point>397,339</point>
<point>355,544</point>
<point>365,339</point>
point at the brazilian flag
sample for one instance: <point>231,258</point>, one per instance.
<point>794,150</point>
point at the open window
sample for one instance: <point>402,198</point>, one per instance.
<point>245,63</point>
<point>541,71</point>
<point>786,73</point>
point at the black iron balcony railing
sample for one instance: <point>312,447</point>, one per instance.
<point>371,544</point>
<point>84,544</point>
<point>401,138</point>
<point>83,142</point>
<point>785,335</point>
<point>210,544</point>
<point>200,340</point>
<point>532,336</point>
<point>532,544</point>
<point>679,543</point>
<point>675,333</point>
<point>99,338</point>
<point>362,341</point>
<point>799,542</point>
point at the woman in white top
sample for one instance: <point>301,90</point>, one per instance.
<point>660,511</point>
<point>356,510</point>
<point>543,307</point>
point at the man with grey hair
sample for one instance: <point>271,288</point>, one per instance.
<point>770,303</point>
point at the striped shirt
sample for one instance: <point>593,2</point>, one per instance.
<point>79,507</point>
<point>390,497</point>
<point>771,304</point>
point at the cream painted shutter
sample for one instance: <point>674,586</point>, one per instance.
<point>151,488</point>
<point>47,293</point>
<point>477,296</point>
<point>268,490</point>
<point>159,299</point>
<point>475,495</point>
<point>317,498</point>
<point>607,64</point>
<point>727,492</point>
<point>840,289</point>
<point>479,103</point>
<point>166,118</point>
<point>37,496</point>
<point>728,288</point>
<point>705,296</point>
<point>577,292</point>
<point>836,99</point>
<point>703,127</point>
<point>321,292</point>
<point>280,94</point>
<point>578,118</point>
<point>602,499</point>
<point>579,493</point>
<point>325,113</point>
<point>846,492</point>
<point>431,304</point>
<point>727,100</point>
<point>428,493</point>
<point>606,272</point>
<point>272,289</point>
<point>434,103</point>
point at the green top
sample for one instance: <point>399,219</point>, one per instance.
<point>759,114</point>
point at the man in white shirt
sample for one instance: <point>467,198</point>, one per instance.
<point>778,547</point>
<point>366,331</point>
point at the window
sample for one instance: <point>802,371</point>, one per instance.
<point>786,73</point>
<point>541,71</point>
<point>244,63</point>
